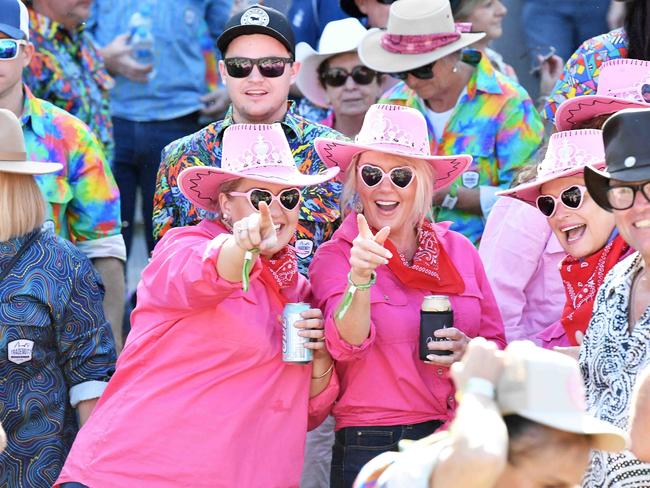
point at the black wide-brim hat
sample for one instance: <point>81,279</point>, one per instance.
<point>258,19</point>
<point>627,153</point>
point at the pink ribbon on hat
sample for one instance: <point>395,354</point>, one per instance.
<point>421,43</point>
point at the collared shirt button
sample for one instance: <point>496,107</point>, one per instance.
<point>386,297</point>
<point>450,399</point>
<point>440,371</point>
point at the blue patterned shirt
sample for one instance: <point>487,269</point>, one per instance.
<point>56,350</point>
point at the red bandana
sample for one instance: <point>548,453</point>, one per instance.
<point>432,269</point>
<point>280,271</point>
<point>582,279</point>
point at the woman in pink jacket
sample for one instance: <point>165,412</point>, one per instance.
<point>201,396</point>
<point>371,278</point>
<point>586,232</point>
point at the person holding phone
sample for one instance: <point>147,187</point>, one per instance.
<point>371,279</point>
<point>201,394</point>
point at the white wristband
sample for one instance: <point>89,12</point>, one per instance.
<point>479,386</point>
<point>449,201</point>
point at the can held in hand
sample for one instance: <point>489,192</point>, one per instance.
<point>436,314</point>
<point>293,345</point>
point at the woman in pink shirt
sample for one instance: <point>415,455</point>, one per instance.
<point>370,281</point>
<point>201,396</point>
<point>585,231</point>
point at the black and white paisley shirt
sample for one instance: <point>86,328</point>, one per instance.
<point>610,359</point>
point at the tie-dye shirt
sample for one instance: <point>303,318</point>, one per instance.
<point>319,212</point>
<point>495,121</point>
<point>67,70</point>
<point>83,201</point>
<point>580,75</point>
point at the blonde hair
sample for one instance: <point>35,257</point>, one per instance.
<point>22,205</point>
<point>424,180</point>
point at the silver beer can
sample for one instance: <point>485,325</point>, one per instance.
<point>293,345</point>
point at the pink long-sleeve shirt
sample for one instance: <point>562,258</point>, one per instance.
<point>383,381</point>
<point>522,256</point>
<point>200,396</point>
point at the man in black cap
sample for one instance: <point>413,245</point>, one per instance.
<point>616,347</point>
<point>258,69</point>
<point>375,10</point>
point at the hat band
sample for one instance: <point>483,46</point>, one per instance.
<point>421,43</point>
<point>13,156</point>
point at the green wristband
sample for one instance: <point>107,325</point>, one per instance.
<point>349,294</point>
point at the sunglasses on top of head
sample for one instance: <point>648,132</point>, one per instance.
<point>373,175</point>
<point>571,198</point>
<point>9,48</point>
<point>422,73</point>
<point>288,199</point>
<point>269,67</point>
<point>338,76</point>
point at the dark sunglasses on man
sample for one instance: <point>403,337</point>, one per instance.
<point>269,67</point>
<point>336,77</point>
<point>9,48</point>
<point>421,73</point>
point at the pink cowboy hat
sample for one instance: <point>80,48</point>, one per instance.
<point>393,129</point>
<point>257,152</point>
<point>567,155</point>
<point>622,83</point>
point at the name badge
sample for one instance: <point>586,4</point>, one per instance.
<point>20,351</point>
<point>304,248</point>
<point>470,179</point>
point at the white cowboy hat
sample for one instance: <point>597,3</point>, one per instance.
<point>419,32</point>
<point>257,152</point>
<point>340,36</point>
<point>13,157</point>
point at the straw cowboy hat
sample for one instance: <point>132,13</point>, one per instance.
<point>257,152</point>
<point>419,32</point>
<point>340,36</point>
<point>622,83</point>
<point>393,129</point>
<point>567,155</point>
<point>627,153</point>
<point>13,157</point>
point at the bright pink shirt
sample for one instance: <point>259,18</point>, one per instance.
<point>522,256</point>
<point>200,396</point>
<point>383,381</point>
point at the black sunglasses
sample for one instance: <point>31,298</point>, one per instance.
<point>422,73</point>
<point>270,67</point>
<point>338,76</point>
<point>373,175</point>
<point>571,197</point>
<point>622,197</point>
<point>386,2</point>
<point>289,199</point>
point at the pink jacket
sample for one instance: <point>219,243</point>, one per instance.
<point>201,396</point>
<point>522,257</point>
<point>383,381</point>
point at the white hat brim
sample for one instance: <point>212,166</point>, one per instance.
<point>606,436</point>
<point>376,57</point>
<point>29,167</point>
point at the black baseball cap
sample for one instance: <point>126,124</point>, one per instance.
<point>258,19</point>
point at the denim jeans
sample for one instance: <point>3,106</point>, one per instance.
<point>563,24</point>
<point>137,157</point>
<point>355,446</point>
